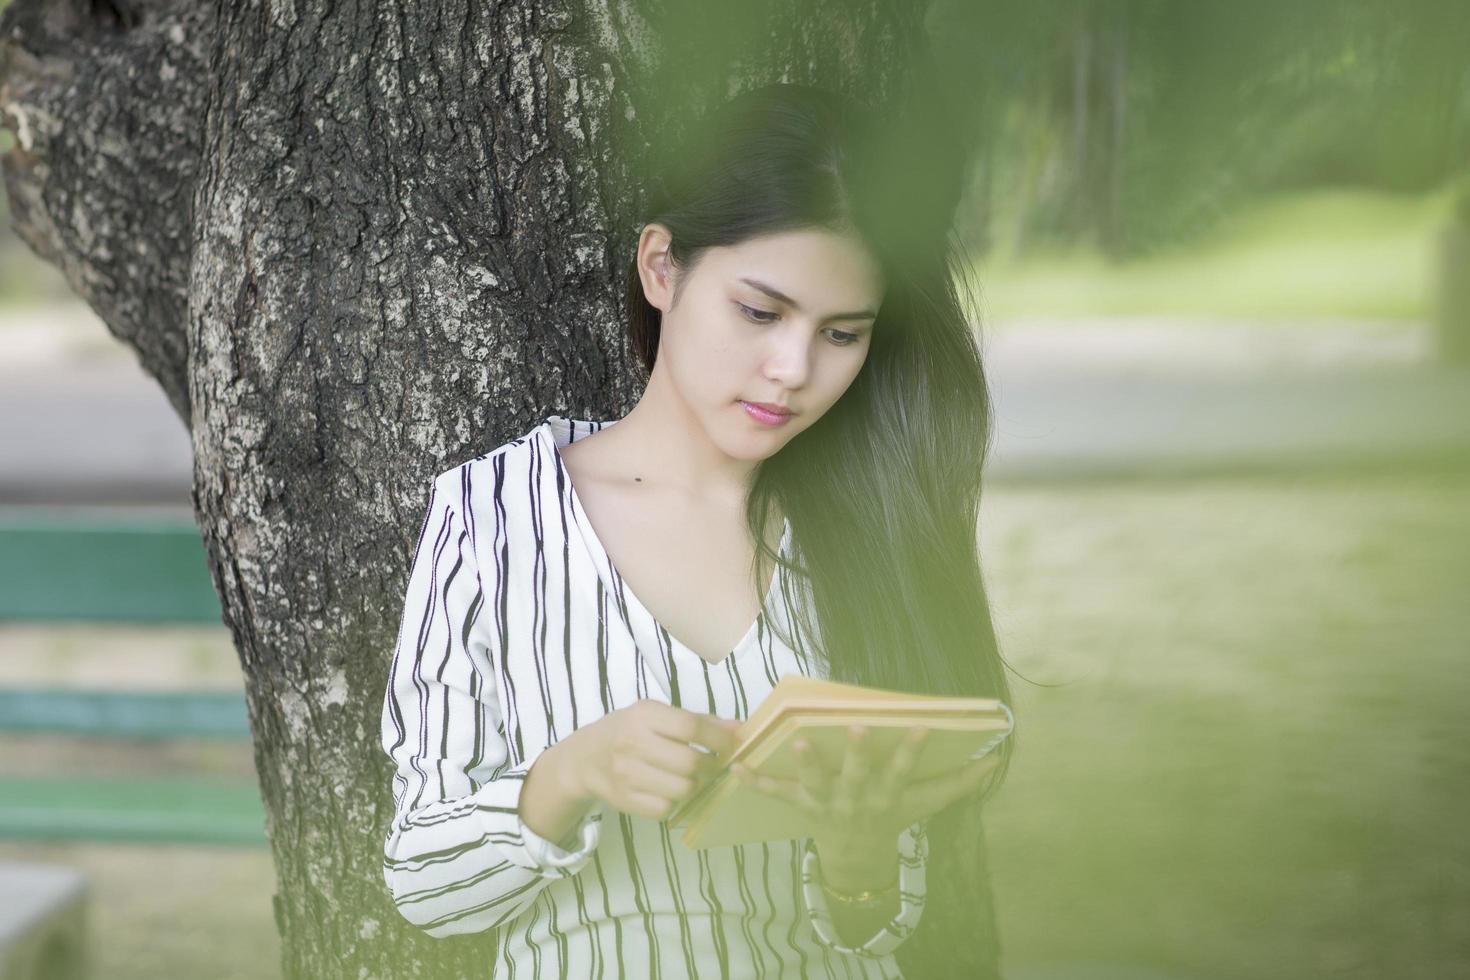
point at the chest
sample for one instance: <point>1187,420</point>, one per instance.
<point>690,567</point>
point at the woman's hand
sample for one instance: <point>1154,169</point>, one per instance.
<point>638,759</point>
<point>866,801</point>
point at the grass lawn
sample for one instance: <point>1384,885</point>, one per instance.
<point>173,913</point>
<point>1246,760</point>
<point>1250,759</point>
<point>1299,256</point>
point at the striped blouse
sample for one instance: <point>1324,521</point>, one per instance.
<point>517,629</point>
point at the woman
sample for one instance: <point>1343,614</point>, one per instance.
<point>596,605</point>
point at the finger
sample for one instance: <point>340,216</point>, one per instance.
<point>812,774</point>
<point>931,795</point>
<point>690,727</point>
<point>663,752</point>
<point>636,774</point>
<point>972,775</point>
<point>650,805</point>
<point>789,790</point>
<point>670,754</point>
<point>979,767</point>
<point>902,764</point>
<point>719,735</point>
<point>845,793</point>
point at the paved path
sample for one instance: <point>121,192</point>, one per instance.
<point>80,423</point>
<point>91,433</point>
<point>1150,397</point>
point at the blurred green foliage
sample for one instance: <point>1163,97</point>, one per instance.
<point>1131,126</point>
<point>1124,129</point>
<point>1301,254</point>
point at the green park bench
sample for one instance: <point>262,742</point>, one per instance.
<point>58,567</point>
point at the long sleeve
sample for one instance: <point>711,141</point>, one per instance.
<point>458,858</point>
<point>913,854</point>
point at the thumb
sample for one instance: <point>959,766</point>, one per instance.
<point>732,726</point>
<point>719,733</point>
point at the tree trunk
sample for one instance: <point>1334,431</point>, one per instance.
<point>1099,75</point>
<point>358,244</point>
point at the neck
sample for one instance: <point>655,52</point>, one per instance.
<point>663,442</point>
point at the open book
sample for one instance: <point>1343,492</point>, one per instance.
<point>726,811</point>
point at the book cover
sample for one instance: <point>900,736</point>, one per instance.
<point>726,811</point>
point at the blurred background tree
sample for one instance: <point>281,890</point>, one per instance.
<point>1135,125</point>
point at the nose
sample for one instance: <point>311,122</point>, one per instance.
<point>788,359</point>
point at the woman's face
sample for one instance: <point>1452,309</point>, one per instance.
<point>783,319</point>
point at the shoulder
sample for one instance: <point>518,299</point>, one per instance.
<point>480,483</point>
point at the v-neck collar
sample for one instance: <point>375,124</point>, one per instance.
<point>556,432</point>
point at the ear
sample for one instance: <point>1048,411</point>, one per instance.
<point>654,269</point>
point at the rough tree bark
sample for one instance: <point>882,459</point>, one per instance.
<point>357,244</point>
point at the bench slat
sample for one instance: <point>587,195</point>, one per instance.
<point>73,568</point>
<point>125,714</point>
<point>152,810</point>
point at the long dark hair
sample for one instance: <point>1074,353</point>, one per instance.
<point>883,491</point>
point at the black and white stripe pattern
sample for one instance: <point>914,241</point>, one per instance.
<point>516,630</point>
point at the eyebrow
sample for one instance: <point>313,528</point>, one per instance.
<point>776,294</point>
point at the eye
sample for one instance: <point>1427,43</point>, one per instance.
<point>753,314</point>
<point>852,338</point>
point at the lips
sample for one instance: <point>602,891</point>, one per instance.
<point>763,415</point>
<point>773,409</point>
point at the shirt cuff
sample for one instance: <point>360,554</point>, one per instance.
<point>498,803</point>
<point>913,853</point>
<point>549,854</point>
